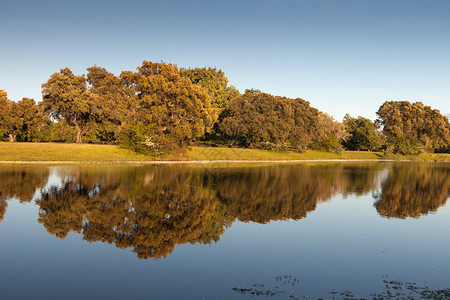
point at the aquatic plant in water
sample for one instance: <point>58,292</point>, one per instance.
<point>394,289</point>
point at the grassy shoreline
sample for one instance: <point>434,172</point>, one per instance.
<point>90,153</point>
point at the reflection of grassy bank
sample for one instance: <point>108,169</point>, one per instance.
<point>89,152</point>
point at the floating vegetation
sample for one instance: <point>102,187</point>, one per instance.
<point>287,280</point>
<point>260,289</point>
<point>394,289</point>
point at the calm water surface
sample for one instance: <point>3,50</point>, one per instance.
<point>222,232</point>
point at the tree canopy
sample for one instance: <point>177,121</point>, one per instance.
<point>20,120</point>
<point>413,127</point>
<point>363,133</point>
<point>109,92</point>
<point>168,108</point>
<point>65,96</point>
<point>262,120</point>
<point>160,109</point>
<point>215,84</point>
<point>5,105</point>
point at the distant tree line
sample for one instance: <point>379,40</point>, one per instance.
<point>161,109</point>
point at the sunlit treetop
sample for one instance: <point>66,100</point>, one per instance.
<point>215,83</point>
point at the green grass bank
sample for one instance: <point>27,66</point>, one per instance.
<point>47,152</point>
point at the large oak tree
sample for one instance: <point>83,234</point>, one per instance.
<point>25,119</point>
<point>166,108</point>
<point>66,96</point>
<point>411,127</point>
<point>114,100</point>
<point>22,118</point>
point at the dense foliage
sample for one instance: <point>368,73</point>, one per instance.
<point>5,104</point>
<point>65,96</point>
<point>167,110</point>
<point>363,133</point>
<point>261,120</point>
<point>411,128</point>
<point>161,109</point>
<point>20,121</point>
<point>215,84</point>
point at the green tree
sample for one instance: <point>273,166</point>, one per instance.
<point>363,134</point>
<point>22,119</point>
<point>110,91</point>
<point>413,127</point>
<point>167,110</point>
<point>215,83</point>
<point>328,134</point>
<point>5,105</point>
<point>57,131</point>
<point>65,96</point>
<point>257,119</point>
<point>29,119</point>
<point>12,122</point>
<point>113,96</point>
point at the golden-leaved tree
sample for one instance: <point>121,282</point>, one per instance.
<point>113,97</point>
<point>262,120</point>
<point>168,110</point>
<point>66,96</point>
<point>5,105</point>
<point>413,127</point>
<point>215,83</point>
<point>25,120</point>
<point>363,134</point>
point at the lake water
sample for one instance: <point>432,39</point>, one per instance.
<point>283,231</point>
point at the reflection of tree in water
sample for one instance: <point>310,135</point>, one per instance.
<point>273,193</point>
<point>288,192</point>
<point>360,178</point>
<point>152,209</point>
<point>3,206</point>
<point>19,182</point>
<point>413,190</point>
<point>150,212</point>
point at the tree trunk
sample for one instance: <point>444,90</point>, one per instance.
<point>12,138</point>
<point>79,132</point>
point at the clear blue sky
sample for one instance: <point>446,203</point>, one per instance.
<point>342,56</point>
